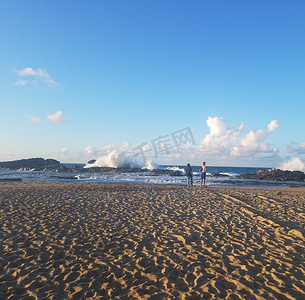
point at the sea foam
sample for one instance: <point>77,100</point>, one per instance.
<point>294,164</point>
<point>116,159</point>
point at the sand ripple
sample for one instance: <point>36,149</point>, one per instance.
<point>93,241</point>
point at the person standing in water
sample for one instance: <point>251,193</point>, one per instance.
<point>189,175</point>
<point>203,175</point>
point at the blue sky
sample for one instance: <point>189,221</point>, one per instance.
<point>90,79</point>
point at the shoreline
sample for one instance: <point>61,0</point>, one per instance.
<point>142,241</point>
<point>259,185</point>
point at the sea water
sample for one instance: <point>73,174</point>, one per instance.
<point>229,178</point>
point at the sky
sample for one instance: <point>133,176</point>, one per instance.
<point>163,82</point>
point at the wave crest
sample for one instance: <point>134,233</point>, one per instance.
<point>116,159</point>
<point>294,164</point>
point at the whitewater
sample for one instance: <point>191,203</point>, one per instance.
<point>216,176</point>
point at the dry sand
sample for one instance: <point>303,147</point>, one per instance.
<point>103,241</point>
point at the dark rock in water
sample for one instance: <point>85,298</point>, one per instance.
<point>64,177</point>
<point>106,170</point>
<point>109,170</point>
<point>92,161</point>
<point>275,175</point>
<point>56,168</point>
<point>167,172</point>
<point>219,175</point>
<point>10,179</point>
<point>37,164</point>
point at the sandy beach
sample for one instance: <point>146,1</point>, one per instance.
<point>106,241</point>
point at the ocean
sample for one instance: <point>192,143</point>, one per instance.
<point>228,177</point>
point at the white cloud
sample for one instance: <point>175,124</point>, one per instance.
<point>221,137</point>
<point>93,151</point>
<point>252,142</point>
<point>108,148</point>
<point>50,82</point>
<point>299,149</point>
<point>64,152</point>
<point>53,118</point>
<point>225,142</point>
<point>56,118</point>
<point>39,74</point>
<point>34,119</point>
<point>30,72</point>
<point>273,125</point>
<point>90,150</point>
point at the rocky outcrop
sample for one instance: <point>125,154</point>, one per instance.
<point>275,175</point>
<point>37,164</point>
<point>40,164</point>
<point>92,161</point>
<point>219,175</point>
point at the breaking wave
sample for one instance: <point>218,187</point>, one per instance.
<point>176,169</point>
<point>294,164</point>
<point>116,159</point>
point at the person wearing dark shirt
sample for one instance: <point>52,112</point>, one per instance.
<point>189,175</point>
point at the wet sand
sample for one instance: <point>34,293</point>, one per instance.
<point>104,241</point>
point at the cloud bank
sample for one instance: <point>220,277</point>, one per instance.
<point>223,144</point>
<point>230,142</point>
